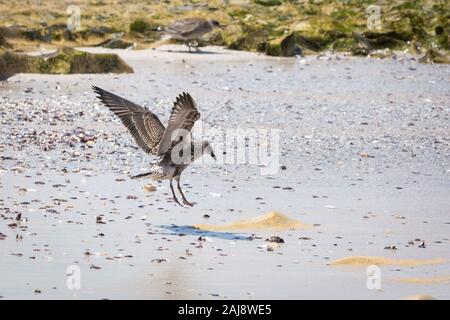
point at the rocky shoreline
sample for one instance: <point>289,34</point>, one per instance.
<point>279,28</point>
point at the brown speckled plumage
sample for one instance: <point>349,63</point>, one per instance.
<point>151,136</point>
<point>189,29</point>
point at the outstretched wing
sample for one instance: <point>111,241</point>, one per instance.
<point>143,125</point>
<point>184,114</point>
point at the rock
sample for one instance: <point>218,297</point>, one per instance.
<point>90,143</point>
<point>361,52</point>
<point>37,35</point>
<point>442,37</point>
<point>69,61</point>
<point>247,36</point>
<point>4,43</point>
<point>268,3</point>
<point>140,26</point>
<point>100,31</point>
<point>149,188</point>
<point>381,54</point>
<point>318,25</point>
<point>321,34</point>
<point>285,46</point>
<point>64,61</point>
<point>434,56</point>
<point>115,44</point>
<point>12,63</point>
<point>275,239</point>
<point>100,220</point>
<point>381,40</point>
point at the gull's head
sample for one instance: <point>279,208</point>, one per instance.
<point>215,24</point>
<point>208,149</point>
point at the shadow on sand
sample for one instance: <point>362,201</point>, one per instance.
<point>193,52</point>
<point>189,230</point>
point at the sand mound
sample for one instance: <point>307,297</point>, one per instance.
<point>434,280</point>
<point>420,297</point>
<point>358,261</point>
<point>270,221</point>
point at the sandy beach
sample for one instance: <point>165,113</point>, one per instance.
<point>364,164</point>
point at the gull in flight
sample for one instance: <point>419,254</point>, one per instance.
<point>173,145</point>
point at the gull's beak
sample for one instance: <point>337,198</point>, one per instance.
<point>214,157</point>
<point>221,27</point>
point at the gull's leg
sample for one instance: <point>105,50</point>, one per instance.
<point>196,46</point>
<point>173,194</point>
<point>188,45</point>
<point>185,201</point>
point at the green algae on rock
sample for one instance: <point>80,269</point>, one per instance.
<point>115,43</point>
<point>3,42</point>
<point>247,36</point>
<point>140,26</point>
<point>268,3</point>
<point>283,46</point>
<point>434,56</point>
<point>64,61</point>
<point>256,25</point>
<point>73,61</point>
<point>380,40</point>
<point>12,63</point>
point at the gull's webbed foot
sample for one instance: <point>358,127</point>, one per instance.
<point>174,197</point>
<point>187,202</point>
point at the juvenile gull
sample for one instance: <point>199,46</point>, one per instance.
<point>173,145</point>
<point>190,29</point>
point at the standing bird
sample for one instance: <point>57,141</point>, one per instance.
<point>190,29</point>
<point>173,144</point>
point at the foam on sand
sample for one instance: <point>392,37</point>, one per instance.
<point>270,221</point>
<point>434,280</point>
<point>358,261</point>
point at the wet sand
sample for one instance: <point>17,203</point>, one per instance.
<point>364,142</point>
